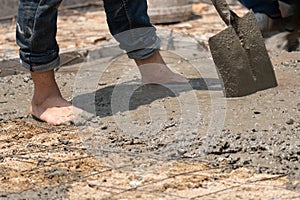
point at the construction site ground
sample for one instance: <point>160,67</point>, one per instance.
<point>256,155</point>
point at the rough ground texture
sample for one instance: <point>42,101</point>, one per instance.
<point>254,156</point>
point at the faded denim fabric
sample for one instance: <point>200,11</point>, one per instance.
<point>268,7</point>
<point>36,31</point>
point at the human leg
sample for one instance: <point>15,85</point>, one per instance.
<point>155,71</point>
<point>273,15</point>
<point>36,32</point>
<point>270,14</point>
<point>268,7</point>
<point>130,25</point>
<point>47,103</point>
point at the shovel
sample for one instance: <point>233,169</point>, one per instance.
<point>240,55</point>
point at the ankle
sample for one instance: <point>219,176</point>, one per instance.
<point>38,100</point>
<point>155,58</point>
<point>44,94</point>
<point>45,87</point>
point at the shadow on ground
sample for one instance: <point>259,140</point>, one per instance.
<point>138,95</point>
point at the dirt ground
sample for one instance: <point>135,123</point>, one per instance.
<point>120,155</point>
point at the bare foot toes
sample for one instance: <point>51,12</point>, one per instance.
<point>55,111</point>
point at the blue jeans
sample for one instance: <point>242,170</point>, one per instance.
<point>268,7</point>
<point>36,31</point>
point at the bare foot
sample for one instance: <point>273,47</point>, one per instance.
<point>155,71</point>
<point>47,103</point>
<point>55,111</point>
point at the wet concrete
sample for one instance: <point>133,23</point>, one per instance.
<point>59,192</point>
<point>261,131</point>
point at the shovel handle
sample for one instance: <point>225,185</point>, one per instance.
<point>223,9</point>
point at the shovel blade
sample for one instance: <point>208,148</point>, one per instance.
<point>253,43</point>
<point>232,64</point>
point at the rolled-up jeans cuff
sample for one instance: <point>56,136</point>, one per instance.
<point>43,67</point>
<point>139,43</point>
<point>145,53</point>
